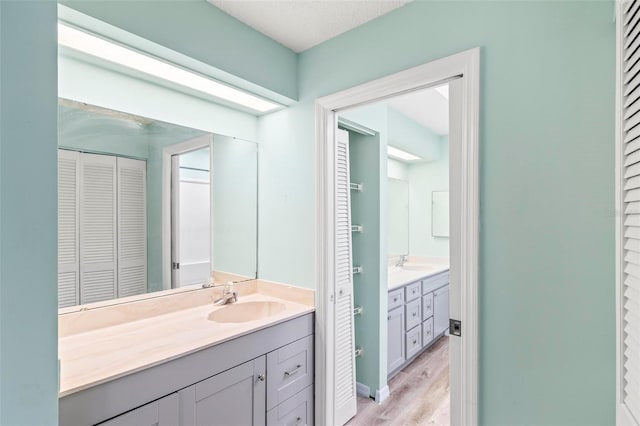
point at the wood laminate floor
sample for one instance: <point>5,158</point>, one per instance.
<point>419,393</point>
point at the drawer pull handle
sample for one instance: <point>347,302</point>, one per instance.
<point>298,419</point>
<point>415,341</point>
<point>395,299</point>
<point>415,314</point>
<point>292,372</point>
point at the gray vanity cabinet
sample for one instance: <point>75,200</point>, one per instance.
<point>418,313</point>
<point>396,337</point>
<point>440,310</point>
<point>163,412</point>
<point>233,398</point>
<point>226,384</point>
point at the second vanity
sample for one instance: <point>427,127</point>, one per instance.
<point>418,311</point>
<point>188,362</point>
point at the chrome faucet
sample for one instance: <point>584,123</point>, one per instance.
<point>229,295</point>
<point>402,259</point>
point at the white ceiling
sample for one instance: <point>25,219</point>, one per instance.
<point>302,24</point>
<point>427,107</point>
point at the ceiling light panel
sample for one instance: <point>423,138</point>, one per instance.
<point>115,53</point>
<point>400,154</point>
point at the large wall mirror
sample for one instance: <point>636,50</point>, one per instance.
<point>398,219</point>
<point>146,205</point>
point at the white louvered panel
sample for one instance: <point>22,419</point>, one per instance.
<point>632,195</point>
<point>132,281</point>
<point>634,120</point>
<point>98,251</point>
<point>344,351</point>
<point>68,229</point>
<point>132,227</point>
<point>632,171</point>
<point>97,286</point>
<point>630,303</point>
<point>633,134</point>
<point>632,183</point>
<point>632,146</point>
<point>632,158</point>
<point>632,220</point>
<point>68,289</point>
<point>345,363</point>
<point>632,244</point>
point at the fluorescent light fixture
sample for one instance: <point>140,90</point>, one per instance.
<point>444,91</point>
<point>400,154</point>
<point>112,52</point>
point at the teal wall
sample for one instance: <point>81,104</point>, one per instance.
<point>28,214</point>
<point>367,166</point>
<point>547,330</point>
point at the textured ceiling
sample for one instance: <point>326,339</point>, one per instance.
<point>427,107</point>
<point>302,24</point>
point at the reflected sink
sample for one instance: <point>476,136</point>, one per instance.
<point>246,311</point>
<point>417,267</point>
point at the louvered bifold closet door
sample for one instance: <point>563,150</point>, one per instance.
<point>98,251</point>
<point>345,371</point>
<point>132,227</point>
<point>630,297</point>
<point>68,229</point>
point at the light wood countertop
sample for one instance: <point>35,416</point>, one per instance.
<point>105,353</point>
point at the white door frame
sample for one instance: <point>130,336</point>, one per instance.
<point>179,148</point>
<point>466,65</point>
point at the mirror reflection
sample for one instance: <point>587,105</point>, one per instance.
<point>146,205</point>
<point>398,218</point>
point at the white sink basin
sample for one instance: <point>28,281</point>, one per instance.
<point>246,311</point>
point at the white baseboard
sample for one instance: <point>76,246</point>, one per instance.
<point>363,390</point>
<point>382,394</point>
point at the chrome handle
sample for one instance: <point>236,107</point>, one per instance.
<point>415,314</point>
<point>395,299</point>
<point>415,341</point>
<point>298,419</point>
<point>294,371</point>
<point>261,377</point>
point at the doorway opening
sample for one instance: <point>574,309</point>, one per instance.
<point>338,357</point>
<point>191,217</point>
<point>399,173</point>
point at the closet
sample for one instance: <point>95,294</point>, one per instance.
<point>102,229</point>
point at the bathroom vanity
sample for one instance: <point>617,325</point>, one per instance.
<point>201,365</point>
<point>418,312</point>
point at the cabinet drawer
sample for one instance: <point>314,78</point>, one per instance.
<point>427,332</point>
<point>396,298</point>
<point>413,341</point>
<point>432,283</point>
<point>413,291</point>
<point>295,411</point>
<point>412,314</point>
<point>289,370</point>
<point>427,306</point>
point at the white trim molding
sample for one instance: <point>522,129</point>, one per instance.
<point>464,66</point>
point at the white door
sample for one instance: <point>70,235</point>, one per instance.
<point>132,227</point>
<point>455,244</point>
<point>345,399</point>
<point>68,228</point>
<point>628,198</point>
<point>98,245</point>
<point>191,217</point>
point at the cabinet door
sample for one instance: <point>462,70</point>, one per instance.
<point>233,398</point>
<point>163,412</point>
<point>395,339</point>
<point>440,310</point>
